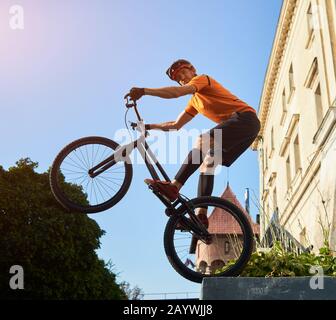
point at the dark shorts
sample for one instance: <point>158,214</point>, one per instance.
<point>236,135</point>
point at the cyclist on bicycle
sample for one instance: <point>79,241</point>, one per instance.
<point>236,129</point>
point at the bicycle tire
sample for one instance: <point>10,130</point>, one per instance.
<point>241,218</point>
<point>68,203</point>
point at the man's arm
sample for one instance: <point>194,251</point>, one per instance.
<point>181,120</point>
<point>171,92</point>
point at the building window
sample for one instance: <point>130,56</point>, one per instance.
<point>312,74</point>
<point>318,106</point>
<point>284,107</point>
<point>297,155</point>
<point>303,236</point>
<point>266,160</point>
<point>272,140</point>
<point>288,172</point>
<point>310,20</point>
<point>217,264</point>
<point>291,82</point>
<point>311,15</point>
<point>203,266</point>
<point>275,201</point>
<point>227,247</point>
<point>284,102</point>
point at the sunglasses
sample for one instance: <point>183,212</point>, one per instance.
<point>176,67</point>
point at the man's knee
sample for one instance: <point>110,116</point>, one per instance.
<point>198,143</point>
<point>208,165</point>
<point>204,142</point>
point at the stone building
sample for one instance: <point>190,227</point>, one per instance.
<point>297,142</point>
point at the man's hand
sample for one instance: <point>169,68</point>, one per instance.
<point>135,93</point>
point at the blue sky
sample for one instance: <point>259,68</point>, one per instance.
<point>64,77</point>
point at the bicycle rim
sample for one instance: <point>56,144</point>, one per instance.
<point>227,253</point>
<point>73,186</point>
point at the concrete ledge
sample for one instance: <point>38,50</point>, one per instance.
<point>291,288</point>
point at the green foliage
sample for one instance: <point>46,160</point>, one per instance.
<point>56,248</point>
<point>279,263</point>
<point>134,293</point>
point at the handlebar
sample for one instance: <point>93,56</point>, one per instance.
<point>132,104</point>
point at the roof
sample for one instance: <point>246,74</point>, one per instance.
<point>222,222</point>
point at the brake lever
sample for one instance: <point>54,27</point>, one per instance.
<point>129,104</point>
<point>132,124</point>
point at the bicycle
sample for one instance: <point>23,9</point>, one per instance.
<point>98,166</point>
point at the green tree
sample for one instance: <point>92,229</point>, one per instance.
<point>56,248</point>
<point>134,293</point>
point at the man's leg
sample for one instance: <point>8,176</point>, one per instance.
<point>206,181</point>
<point>190,165</point>
<point>205,185</point>
<point>229,137</point>
<point>194,159</point>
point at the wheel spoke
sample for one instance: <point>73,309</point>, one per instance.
<point>82,161</point>
<point>85,178</point>
<point>75,162</point>
<point>96,182</point>
<point>87,186</point>
<point>94,189</point>
<point>71,171</point>
<point>111,181</point>
<point>198,258</point>
<point>91,190</point>
<point>103,187</point>
<point>74,179</point>
<point>86,164</point>
<point>92,151</point>
<point>87,156</point>
<point>94,159</point>
<point>72,176</point>
<point>107,185</point>
<point>102,156</point>
<point>74,165</point>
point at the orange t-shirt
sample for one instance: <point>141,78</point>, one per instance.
<point>214,101</point>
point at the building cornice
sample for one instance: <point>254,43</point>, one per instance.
<point>272,73</point>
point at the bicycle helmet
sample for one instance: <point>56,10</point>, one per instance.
<point>177,66</point>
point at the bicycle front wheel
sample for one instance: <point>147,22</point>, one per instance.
<point>75,189</point>
<point>227,252</point>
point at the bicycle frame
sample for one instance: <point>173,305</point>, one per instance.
<point>122,154</point>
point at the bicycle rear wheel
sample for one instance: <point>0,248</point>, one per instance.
<point>226,254</point>
<point>72,185</point>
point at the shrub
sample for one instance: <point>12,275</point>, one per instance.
<point>279,263</point>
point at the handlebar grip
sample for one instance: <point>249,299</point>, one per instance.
<point>128,103</point>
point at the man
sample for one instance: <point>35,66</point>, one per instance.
<point>237,127</point>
